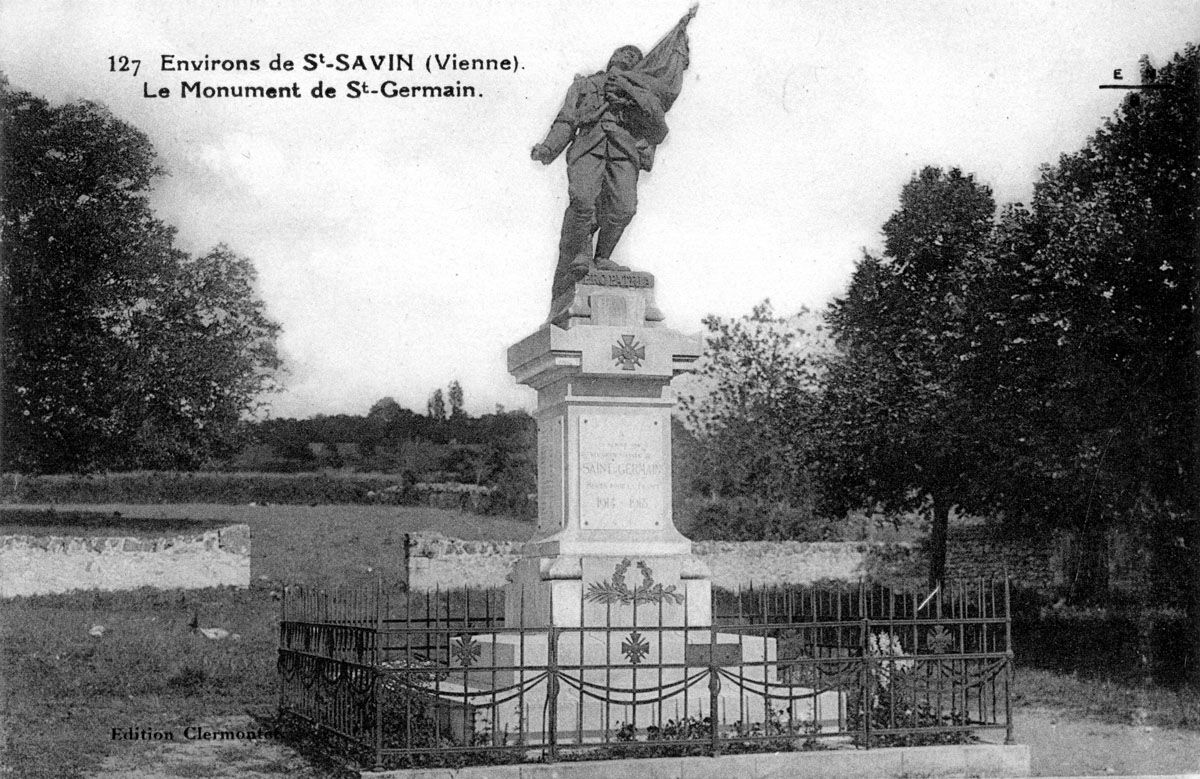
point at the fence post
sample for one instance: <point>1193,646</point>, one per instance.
<point>714,689</point>
<point>377,682</point>
<point>867,676</point>
<point>279,652</point>
<point>552,694</point>
<point>407,561</point>
<point>1008,664</point>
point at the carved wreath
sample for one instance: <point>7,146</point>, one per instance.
<point>615,590</point>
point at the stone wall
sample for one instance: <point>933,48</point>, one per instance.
<point>41,564</point>
<point>972,551</point>
<point>737,564</point>
<point>977,550</point>
<point>435,561</point>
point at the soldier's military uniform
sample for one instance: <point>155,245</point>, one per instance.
<point>609,124</point>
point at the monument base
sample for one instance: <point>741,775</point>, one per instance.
<point>610,680</point>
<point>590,300</point>
<point>609,574</point>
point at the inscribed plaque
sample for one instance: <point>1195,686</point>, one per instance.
<point>622,472</point>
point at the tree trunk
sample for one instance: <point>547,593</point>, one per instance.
<point>1089,568</point>
<point>1150,541</point>
<point>1193,605</point>
<point>937,541</point>
<point>1192,538</point>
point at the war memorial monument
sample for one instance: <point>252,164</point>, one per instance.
<point>606,635</point>
<point>607,561</point>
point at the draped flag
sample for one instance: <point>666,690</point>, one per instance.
<point>665,63</point>
<point>655,82</point>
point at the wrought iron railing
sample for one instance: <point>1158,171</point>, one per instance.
<point>399,679</point>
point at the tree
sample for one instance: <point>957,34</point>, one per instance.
<point>894,433</point>
<point>749,408</point>
<point>1087,331</point>
<point>119,349</point>
<point>385,410</point>
<point>436,406</point>
<point>456,399</point>
<point>207,349</point>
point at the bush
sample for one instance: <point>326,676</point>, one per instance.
<point>1122,646</point>
<point>901,706</point>
<point>511,494</point>
<point>514,493</point>
<point>180,487</point>
<point>899,697</point>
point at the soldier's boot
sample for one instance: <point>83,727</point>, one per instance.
<point>604,263</point>
<point>581,264</point>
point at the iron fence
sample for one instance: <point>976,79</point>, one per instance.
<point>403,679</point>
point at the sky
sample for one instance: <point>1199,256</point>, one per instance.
<point>405,243</point>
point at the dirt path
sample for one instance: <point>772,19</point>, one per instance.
<point>254,759</point>
<point>1060,745</point>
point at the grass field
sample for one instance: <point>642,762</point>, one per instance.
<point>65,689</point>
<point>332,545</point>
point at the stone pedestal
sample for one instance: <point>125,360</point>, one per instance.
<point>608,599</point>
<point>602,367</point>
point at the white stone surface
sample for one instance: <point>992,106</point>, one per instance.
<point>601,689</point>
<point>960,760</point>
<point>605,468</point>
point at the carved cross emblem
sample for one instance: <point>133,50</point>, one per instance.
<point>628,353</point>
<point>635,647</point>
<point>466,650</point>
<point>940,641</point>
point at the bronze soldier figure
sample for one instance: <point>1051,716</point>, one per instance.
<point>610,124</point>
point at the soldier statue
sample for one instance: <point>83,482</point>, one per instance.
<point>610,124</point>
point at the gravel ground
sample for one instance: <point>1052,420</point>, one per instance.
<point>1059,745</point>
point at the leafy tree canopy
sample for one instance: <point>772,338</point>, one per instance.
<point>1081,354</point>
<point>751,403</point>
<point>894,432</point>
<point>119,349</point>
